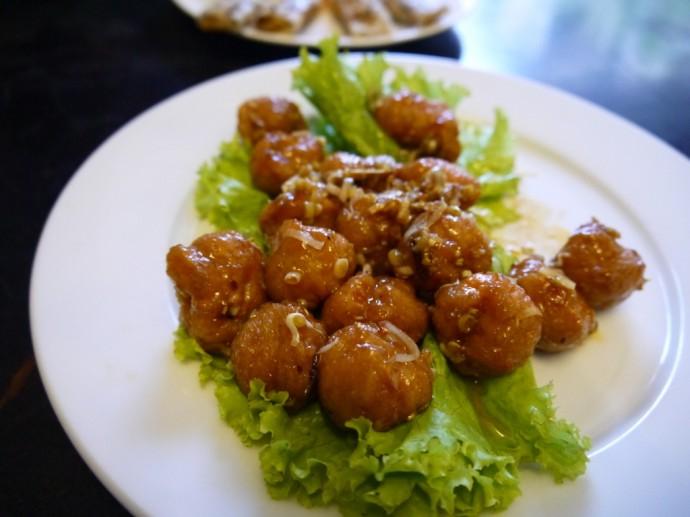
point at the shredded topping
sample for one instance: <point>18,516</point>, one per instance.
<point>412,348</point>
<point>348,191</point>
<point>305,237</point>
<point>384,169</point>
<point>295,321</point>
<point>327,347</point>
<point>404,212</point>
<point>437,211</point>
<point>423,223</point>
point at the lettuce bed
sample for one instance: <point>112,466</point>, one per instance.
<point>459,457</point>
<point>462,455</point>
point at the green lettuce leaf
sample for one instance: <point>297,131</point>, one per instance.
<point>488,149</point>
<point>531,430</point>
<point>378,77</point>
<point>493,213</point>
<point>333,88</point>
<point>488,153</point>
<point>459,457</point>
<point>225,196</point>
<point>371,73</point>
<point>418,82</point>
<point>501,259</point>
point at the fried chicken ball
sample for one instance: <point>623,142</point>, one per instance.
<point>439,246</point>
<point>374,223</point>
<point>567,317</point>
<point>279,156</point>
<point>428,127</point>
<point>278,345</point>
<point>303,198</point>
<point>604,272</point>
<point>219,281</point>
<point>307,263</point>
<point>367,298</point>
<point>373,370</point>
<point>486,324</point>
<point>268,114</point>
<point>435,179</point>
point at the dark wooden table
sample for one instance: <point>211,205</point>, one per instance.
<point>73,72</point>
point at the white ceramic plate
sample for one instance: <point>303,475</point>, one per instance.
<point>103,312</point>
<point>325,25</point>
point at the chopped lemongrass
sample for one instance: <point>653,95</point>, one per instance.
<point>340,267</point>
<point>467,321</point>
<point>558,276</point>
<point>529,312</point>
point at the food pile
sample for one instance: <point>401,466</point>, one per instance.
<point>356,17</point>
<point>357,317</point>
